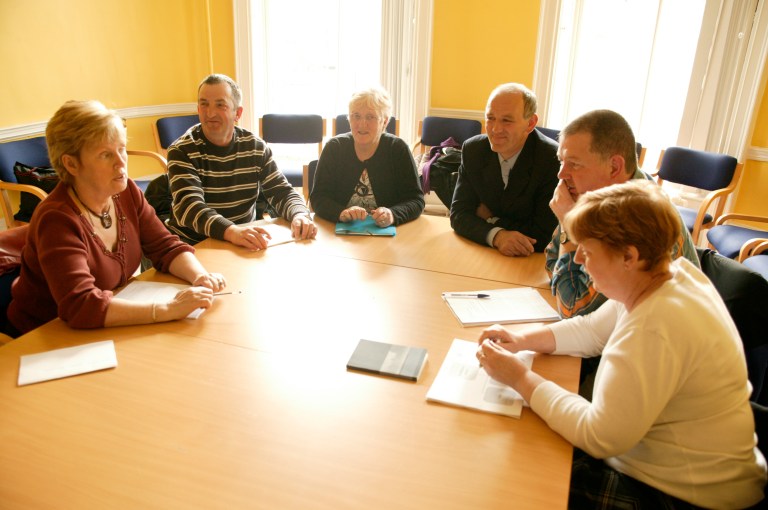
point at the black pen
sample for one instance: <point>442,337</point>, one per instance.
<point>465,294</point>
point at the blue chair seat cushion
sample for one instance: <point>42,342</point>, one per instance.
<point>758,264</point>
<point>295,176</point>
<point>728,239</point>
<point>689,217</point>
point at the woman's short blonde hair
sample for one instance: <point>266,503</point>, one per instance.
<point>77,124</point>
<point>636,213</point>
<point>375,98</point>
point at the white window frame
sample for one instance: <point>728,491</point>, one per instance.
<point>405,55</point>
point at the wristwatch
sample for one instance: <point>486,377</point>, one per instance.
<point>564,237</point>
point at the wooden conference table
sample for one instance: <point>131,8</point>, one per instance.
<point>251,406</point>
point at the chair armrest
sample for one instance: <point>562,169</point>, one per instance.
<point>154,155</point>
<point>738,216</point>
<point>27,188</point>
<point>760,248</point>
<point>5,201</point>
<point>417,145</point>
<point>655,173</point>
<point>704,207</point>
<point>641,157</point>
<point>752,247</point>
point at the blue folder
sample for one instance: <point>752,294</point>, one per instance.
<point>366,227</point>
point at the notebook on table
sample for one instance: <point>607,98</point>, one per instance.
<point>366,227</point>
<point>381,358</point>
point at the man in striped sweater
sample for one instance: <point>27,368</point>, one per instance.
<point>216,171</point>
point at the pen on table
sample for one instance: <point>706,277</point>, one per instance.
<point>465,294</point>
<point>225,293</point>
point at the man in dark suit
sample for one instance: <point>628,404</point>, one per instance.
<point>507,177</point>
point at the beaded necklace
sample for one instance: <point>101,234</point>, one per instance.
<point>104,217</point>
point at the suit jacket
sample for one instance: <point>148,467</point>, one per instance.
<point>523,205</point>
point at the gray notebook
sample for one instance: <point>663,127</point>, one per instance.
<point>392,360</point>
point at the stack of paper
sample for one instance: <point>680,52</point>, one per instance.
<point>500,306</point>
<point>462,382</point>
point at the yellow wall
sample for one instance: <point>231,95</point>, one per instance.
<point>751,197</point>
<point>478,45</point>
<point>123,53</point>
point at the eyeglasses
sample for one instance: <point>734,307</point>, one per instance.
<point>356,117</point>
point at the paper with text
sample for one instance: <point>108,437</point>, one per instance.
<point>462,382</point>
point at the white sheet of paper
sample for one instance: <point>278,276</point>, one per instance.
<point>504,306</point>
<point>280,233</point>
<point>66,362</point>
<point>155,292</point>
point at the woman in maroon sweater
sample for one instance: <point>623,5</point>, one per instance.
<point>87,238</point>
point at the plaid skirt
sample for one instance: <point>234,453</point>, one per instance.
<point>594,484</point>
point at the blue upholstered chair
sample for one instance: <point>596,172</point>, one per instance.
<point>308,180</point>
<point>745,294</point>
<point>716,173</point>
<point>435,130</point>
<point>293,129</point>
<point>729,239</point>
<point>754,255</point>
<point>168,129</point>
<point>341,125</point>
<point>549,132</point>
<point>32,152</point>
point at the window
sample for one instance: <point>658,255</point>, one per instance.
<point>309,56</point>
<point>315,53</point>
<point>633,56</point>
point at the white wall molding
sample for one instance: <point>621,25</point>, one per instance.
<point>38,128</point>
<point>458,114</point>
<point>756,154</point>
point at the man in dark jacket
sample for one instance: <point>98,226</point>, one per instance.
<point>507,177</point>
